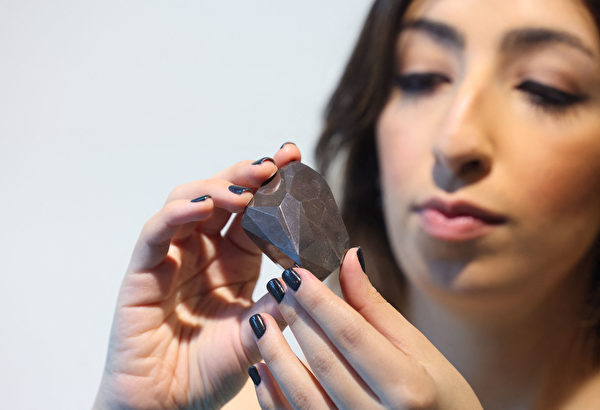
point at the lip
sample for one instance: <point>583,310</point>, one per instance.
<point>456,220</point>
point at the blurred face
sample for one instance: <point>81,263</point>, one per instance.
<point>489,145</point>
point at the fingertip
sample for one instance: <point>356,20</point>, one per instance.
<point>268,392</point>
<point>254,375</point>
<point>353,280</point>
<point>288,152</point>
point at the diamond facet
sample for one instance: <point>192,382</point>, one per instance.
<point>294,219</point>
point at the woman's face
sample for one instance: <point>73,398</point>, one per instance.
<point>489,145</point>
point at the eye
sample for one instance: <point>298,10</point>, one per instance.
<point>549,98</point>
<point>415,84</point>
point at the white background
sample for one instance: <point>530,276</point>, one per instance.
<point>105,106</point>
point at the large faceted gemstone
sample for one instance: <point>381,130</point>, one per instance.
<point>294,219</point>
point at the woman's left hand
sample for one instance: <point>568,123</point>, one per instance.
<point>362,352</point>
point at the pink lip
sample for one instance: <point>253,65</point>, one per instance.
<point>457,220</point>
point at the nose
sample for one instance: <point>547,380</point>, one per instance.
<point>463,149</point>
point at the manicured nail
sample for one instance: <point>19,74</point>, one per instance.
<point>258,325</point>
<point>236,189</point>
<point>291,278</point>
<point>201,198</point>
<point>254,375</point>
<point>361,259</point>
<point>285,143</point>
<point>263,159</point>
<point>343,257</point>
<point>275,289</point>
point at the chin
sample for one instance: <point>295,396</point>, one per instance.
<point>475,282</point>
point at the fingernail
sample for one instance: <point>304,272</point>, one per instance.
<point>236,189</point>
<point>361,259</point>
<point>201,198</point>
<point>291,278</point>
<point>275,289</point>
<point>263,159</point>
<point>343,257</point>
<point>253,373</point>
<point>285,143</point>
<point>258,325</point>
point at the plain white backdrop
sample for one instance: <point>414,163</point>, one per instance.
<point>105,106</point>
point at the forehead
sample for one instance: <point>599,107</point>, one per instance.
<point>489,19</point>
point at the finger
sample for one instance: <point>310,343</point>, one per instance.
<point>248,174</point>
<point>287,153</point>
<point>344,387</point>
<point>366,300</point>
<point>238,237</point>
<point>299,386</point>
<point>153,244</point>
<point>267,305</point>
<point>244,173</point>
<point>388,370</point>
<point>268,392</point>
<point>228,198</point>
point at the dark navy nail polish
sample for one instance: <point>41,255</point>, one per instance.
<point>291,278</point>
<point>258,325</point>
<point>275,289</point>
<point>263,159</point>
<point>285,143</point>
<point>201,198</point>
<point>253,373</point>
<point>236,189</point>
<point>361,259</point>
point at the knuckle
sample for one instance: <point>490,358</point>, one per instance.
<point>350,335</point>
<point>290,316</point>
<point>316,302</point>
<point>417,394</point>
<point>301,399</point>
<point>168,212</point>
<point>241,165</point>
<point>272,354</point>
<point>177,192</point>
<point>322,365</point>
<point>419,401</point>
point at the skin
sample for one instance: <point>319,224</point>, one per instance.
<point>177,337</point>
<point>493,321</point>
<point>538,168</point>
<point>505,307</point>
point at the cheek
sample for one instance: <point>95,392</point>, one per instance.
<point>562,181</point>
<point>403,151</point>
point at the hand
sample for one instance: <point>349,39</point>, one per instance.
<point>362,352</point>
<point>176,339</point>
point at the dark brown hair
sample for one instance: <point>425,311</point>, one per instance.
<point>350,118</point>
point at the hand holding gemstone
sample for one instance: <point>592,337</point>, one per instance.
<point>293,219</point>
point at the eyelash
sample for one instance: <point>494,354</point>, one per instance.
<point>548,98</point>
<point>419,84</point>
<point>541,96</point>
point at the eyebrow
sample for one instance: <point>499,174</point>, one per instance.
<point>440,32</point>
<point>520,39</point>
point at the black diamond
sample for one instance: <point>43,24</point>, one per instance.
<point>294,219</point>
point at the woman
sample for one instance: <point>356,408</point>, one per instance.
<point>472,134</point>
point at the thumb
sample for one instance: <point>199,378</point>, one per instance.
<point>366,300</point>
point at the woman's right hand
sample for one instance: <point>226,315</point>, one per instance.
<point>177,338</point>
